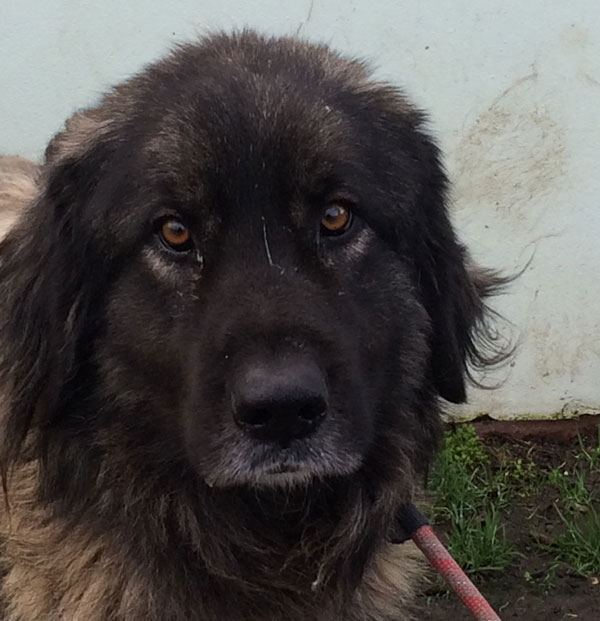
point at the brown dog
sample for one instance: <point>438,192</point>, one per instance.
<point>228,318</point>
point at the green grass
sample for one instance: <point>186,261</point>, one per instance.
<point>579,546</point>
<point>468,496</point>
<point>578,507</point>
<point>572,488</point>
<point>543,583</point>
<point>473,488</point>
<point>590,455</point>
<point>479,541</point>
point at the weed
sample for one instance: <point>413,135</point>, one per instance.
<point>579,546</point>
<point>479,541</point>
<point>455,486</point>
<point>542,582</point>
<point>457,475</point>
<point>547,582</point>
<point>515,477</point>
<point>591,455</point>
<point>572,487</point>
<point>464,447</point>
<point>467,496</point>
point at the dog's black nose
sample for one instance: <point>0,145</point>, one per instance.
<point>280,401</point>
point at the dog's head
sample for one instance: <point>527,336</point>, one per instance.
<point>242,260</point>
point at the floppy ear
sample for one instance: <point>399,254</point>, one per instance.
<point>452,289</point>
<point>462,337</point>
<point>45,270</point>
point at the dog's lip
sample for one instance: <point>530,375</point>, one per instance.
<point>284,474</point>
<point>283,468</point>
<point>282,460</point>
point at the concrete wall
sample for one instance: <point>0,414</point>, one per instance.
<point>513,88</point>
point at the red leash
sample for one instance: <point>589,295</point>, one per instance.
<point>413,525</point>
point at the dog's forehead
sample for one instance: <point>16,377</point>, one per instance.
<point>250,131</point>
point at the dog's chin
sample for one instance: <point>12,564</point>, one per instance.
<point>283,470</point>
<point>298,477</point>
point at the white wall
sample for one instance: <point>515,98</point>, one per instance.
<point>513,88</point>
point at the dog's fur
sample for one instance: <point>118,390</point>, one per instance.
<point>17,188</point>
<point>130,493</point>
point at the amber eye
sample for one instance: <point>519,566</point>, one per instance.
<point>175,235</point>
<point>336,219</point>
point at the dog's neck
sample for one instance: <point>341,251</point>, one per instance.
<point>157,553</point>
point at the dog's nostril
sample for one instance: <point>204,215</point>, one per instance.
<point>280,401</point>
<point>258,417</point>
<point>313,410</point>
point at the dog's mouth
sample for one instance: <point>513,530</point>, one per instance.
<point>285,466</point>
<point>283,475</point>
<point>274,466</point>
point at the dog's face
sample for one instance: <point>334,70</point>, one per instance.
<point>265,317</point>
<point>263,282</point>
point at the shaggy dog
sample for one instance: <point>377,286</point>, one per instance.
<point>228,317</point>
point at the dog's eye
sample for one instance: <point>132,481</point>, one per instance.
<point>175,235</point>
<point>336,219</point>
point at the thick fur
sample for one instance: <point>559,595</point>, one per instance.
<point>130,492</point>
<point>17,188</point>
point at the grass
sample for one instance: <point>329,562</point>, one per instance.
<point>578,507</point>
<point>543,583</point>
<point>469,497</point>
<point>579,545</point>
<point>572,488</point>
<point>479,541</point>
<point>474,487</point>
<point>590,455</point>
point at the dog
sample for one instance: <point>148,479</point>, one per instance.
<point>230,314</point>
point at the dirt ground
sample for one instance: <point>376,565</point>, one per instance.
<point>572,597</point>
<point>535,587</point>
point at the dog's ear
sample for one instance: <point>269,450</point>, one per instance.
<point>453,290</point>
<point>462,338</point>
<point>46,280</point>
